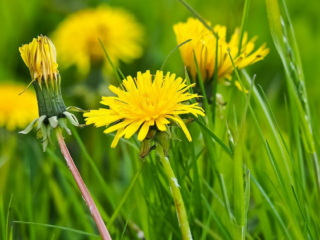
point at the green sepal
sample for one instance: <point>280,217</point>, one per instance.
<point>72,118</point>
<point>53,121</point>
<point>76,109</point>
<point>163,138</point>
<point>29,128</point>
<point>63,124</point>
<point>40,121</point>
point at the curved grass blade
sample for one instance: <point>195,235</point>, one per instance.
<point>173,50</point>
<point>113,67</point>
<point>243,23</point>
<point>211,134</point>
<point>216,219</point>
<point>274,210</point>
<point>302,214</point>
<point>8,214</point>
<point>117,210</point>
<point>197,15</point>
<point>57,227</point>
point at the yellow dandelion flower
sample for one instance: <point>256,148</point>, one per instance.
<point>41,59</point>
<point>145,102</point>
<point>77,36</point>
<point>16,111</point>
<point>204,45</point>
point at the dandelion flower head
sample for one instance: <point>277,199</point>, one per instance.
<point>203,44</point>
<point>16,111</point>
<point>77,37</point>
<point>41,59</point>
<point>145,102</point>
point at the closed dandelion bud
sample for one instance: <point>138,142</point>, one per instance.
<point>163,138</point>
<point>40,58</point>
<point>145,147</point>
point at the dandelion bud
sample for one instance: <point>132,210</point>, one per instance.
<point>145,147</point>
<point>163,138</point>
<point>40,58</point>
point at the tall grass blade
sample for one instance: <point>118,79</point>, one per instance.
<point>197,15</point>
<point>172,51</point>
<point>8,215</point>
<point>57,227</point>
<point>125,196</point>
<point>274,210</point>
<point>243,23</point>
<point>113,67</point>
<point>216,219</point>
<point>211,134</point>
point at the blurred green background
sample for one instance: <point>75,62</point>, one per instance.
<point>40,183</point>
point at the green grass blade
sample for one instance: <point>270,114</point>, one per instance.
<point>211,134</point>
<point>8,215</point>
<point>57,227</point>
<point>274,210</point>
<point>196,189</point>
<point>197,15</point>
<point>113,67</point>
<point>125,196</point>
<point>224,231</point>
<point>302,214</point>
<point>121,74</point>
<point>125,226</point>
<point>2,218</point>
<point>200,81</point>
<point>208,230</point>
<point>247,198</point>
<point>106,188</point>
<point>243,23</point>
<point>275,122</point>
<point>172,51</point>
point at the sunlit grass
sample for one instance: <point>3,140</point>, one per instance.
<point>251,171</point>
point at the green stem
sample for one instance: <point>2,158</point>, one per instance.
<point>175,190</point>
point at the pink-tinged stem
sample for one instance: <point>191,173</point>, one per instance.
<point>83,189</point>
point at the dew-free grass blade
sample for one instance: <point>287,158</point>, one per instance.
<point>272,207</point>
<point>197,15</point>
<point>243,23</point>
<point>8,215</point>
<point>125,196</point>
<point>107,189</point>
<point>222,228</point>
<point>113,67</point>
<point>211,134</point>
<point>172,51</point>
<point>57,227</point>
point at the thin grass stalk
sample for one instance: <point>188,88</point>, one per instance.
<point>176,194</point>
<point>82,187</point>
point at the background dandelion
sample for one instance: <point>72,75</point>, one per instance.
<point>16,111</point>
<point>76,37</point>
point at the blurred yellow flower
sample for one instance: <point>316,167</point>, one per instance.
<point>144,102</point>
<point>16,111</point>
<point>77,36</point>
<point>204,45</point>
<point>41,59</point>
